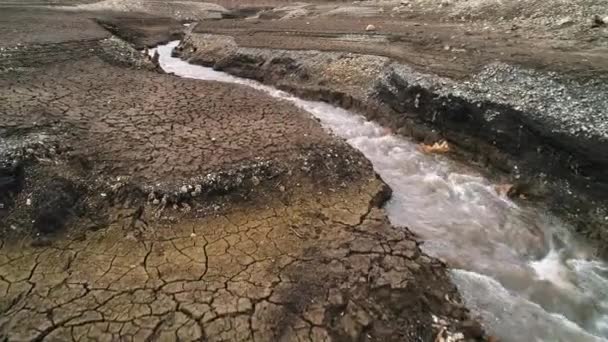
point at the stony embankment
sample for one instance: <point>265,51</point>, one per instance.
<point>543,131</point>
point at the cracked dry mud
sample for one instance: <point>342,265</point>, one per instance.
<point>155,127</point>
<point>305,254</point>
<point>326,266</point>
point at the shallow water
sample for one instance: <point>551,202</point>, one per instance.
<point>515,265</point>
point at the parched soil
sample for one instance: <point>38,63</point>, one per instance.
<point>322,267</point>
<point>27,25</point>
<point>153,127</point>
<point>150,207</point>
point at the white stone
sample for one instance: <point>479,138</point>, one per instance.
<point>565,21</point>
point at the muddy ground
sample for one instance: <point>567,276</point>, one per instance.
<point>141,206</point>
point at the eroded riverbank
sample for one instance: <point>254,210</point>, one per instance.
<point>543,132</point>
<point>516,264</point>
<point>153,207</point>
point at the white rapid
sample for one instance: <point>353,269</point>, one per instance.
<point>516,266</point>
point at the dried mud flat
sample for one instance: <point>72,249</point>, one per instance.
<point>142,206</point>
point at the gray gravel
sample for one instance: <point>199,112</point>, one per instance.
<point>565,106</point>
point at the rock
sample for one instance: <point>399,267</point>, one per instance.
<point>597,21</point>
<point>198,189</point>
<point>370,28</point>
<point>567,21</point>
<point>255,180</point>
<point>458,336</point>
<point>472,329</point>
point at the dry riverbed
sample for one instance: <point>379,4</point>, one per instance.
<point>140,205</point>
<point>137,205</point>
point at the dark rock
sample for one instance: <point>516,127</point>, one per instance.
<point>242,65</point>
<point>11,180</point>
<point>597,22</point>
<point>54,205</point>
<point>472,329</point>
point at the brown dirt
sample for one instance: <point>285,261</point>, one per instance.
<point>159,128</point>
<point>324,266</point>
<point>305,254</point>
<point>455,50</point>
<point>141,30</point>
<point>23,25</point>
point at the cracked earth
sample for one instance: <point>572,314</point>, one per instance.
<point>154,126</point>
<point>140,206</point>
<point>322,267</point>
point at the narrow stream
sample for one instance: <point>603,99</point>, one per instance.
<point>516,265</point>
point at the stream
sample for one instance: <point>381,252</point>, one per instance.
<point>516,265</point>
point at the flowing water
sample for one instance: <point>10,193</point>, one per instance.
<point>515,265</point>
